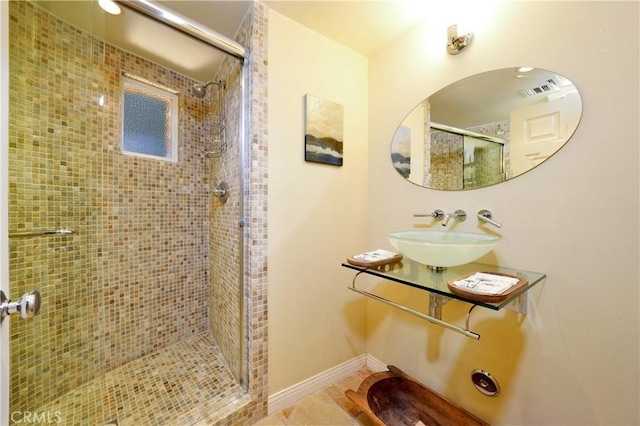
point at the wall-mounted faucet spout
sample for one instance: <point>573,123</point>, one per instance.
<point>459,215</point>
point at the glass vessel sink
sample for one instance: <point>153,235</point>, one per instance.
<point>439,249</point>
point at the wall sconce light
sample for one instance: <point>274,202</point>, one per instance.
<point>457,43</point>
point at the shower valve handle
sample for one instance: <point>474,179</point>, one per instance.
<point>222,192</point>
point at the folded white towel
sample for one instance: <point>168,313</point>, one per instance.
<point>372,256</point>
<point>485,283</point>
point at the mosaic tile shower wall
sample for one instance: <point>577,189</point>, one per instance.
<point>446,161</point>
<point>253,34</point>
<point>120,288</point>
<point>457,162</point>
<point>427,143</point>
<point>123,286</point>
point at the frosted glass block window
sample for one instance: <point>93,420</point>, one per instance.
<point>149,121</point>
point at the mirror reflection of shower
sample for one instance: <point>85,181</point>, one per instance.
<point>213,125</point>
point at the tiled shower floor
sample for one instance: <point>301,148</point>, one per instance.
<point>180,385</point>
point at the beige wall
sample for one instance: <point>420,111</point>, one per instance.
<point>316,212</point>
<point>574,358</point>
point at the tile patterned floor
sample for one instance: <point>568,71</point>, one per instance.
<point>329,406</point>
<point>180,385</point>
<point>185,384</point>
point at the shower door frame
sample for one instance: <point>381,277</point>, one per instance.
<point>4,206</point>
<point>186,26</point>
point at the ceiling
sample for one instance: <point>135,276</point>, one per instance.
<point>362,25</point>
<point>365,26</point>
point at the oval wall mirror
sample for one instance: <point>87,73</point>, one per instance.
<point>486,129</point>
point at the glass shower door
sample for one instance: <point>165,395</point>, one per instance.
<point>125,330</point>
<point>483,163</point>
<point>53,128</point>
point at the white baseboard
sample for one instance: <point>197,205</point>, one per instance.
<point>375,364</point>
<point>289,396</point>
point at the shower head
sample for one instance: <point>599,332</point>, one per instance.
<point>199,90</point>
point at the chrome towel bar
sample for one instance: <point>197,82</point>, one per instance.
<point>464,331</point>
<point>61,231</point>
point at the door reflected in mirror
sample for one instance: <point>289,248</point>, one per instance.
<point>486,129</point>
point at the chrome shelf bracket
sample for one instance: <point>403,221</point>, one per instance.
<point>519,304</point>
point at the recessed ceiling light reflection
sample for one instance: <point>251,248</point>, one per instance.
<point>109,6</point>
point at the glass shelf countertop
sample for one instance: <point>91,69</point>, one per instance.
<point>420,276</point>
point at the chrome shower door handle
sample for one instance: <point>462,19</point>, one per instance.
<point>27,306</point>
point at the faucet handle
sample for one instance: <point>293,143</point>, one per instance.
<point>486,217</point>
<point>436,214</point>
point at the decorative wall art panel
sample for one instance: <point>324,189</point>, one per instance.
<point>323,131</point>
<point>401,151</point>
